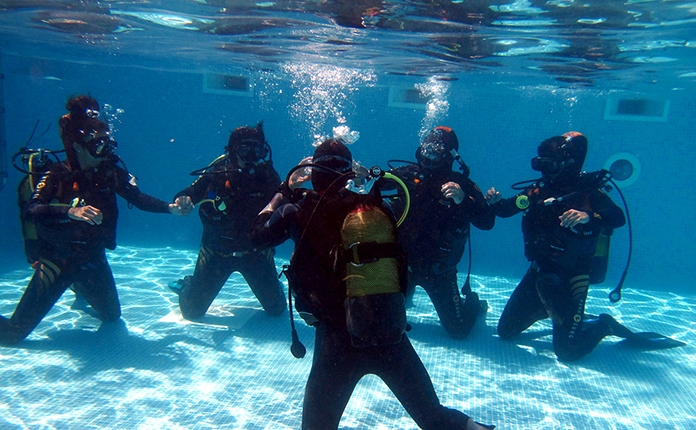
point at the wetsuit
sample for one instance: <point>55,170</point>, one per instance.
<point>320,294</point>
<point>70,251</point>
<point>556,284</point>
<point>229,199</point>
<point>434,234</point>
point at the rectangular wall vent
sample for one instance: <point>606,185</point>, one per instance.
<point>411,98</point>
<point>636,109</point>
<point>227,84</point>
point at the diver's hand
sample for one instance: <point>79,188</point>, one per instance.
<point>182,206</point>
<point>88,214</point>
<point>493,196</point>
<point>301,176</point>
<point>452,190</point>
<point>572,217</point>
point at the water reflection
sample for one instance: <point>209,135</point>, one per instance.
<point>577,42</point>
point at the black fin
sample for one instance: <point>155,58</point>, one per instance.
<point>650,341</point>
<point>645,340</point>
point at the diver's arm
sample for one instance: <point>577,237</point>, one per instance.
<point>480,213</point>
<point>196,191</point>
<point>273,224</point>
<point>604,207</point>
<point>590,222</point>
<point>505,208</point>
<point>127,188</point>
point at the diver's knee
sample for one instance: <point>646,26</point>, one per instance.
<point>506,332</point>
<point>276,310</point>
<point>10,340</point>
<point>111,316</point>
<point>12,335</point>
<point>567,350</point>
<point>566,355</point>
<point>191,313</point>
<point>460,330</point>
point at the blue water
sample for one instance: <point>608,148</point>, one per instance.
<point>503,76</point>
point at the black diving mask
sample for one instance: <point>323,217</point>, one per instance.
<point>92,114</point>
<point>101,146</point>
<point>431,155</point>
<point>547,165</point>
<point>252,150</point>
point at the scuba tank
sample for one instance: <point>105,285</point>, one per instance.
<point>600,261</point>
<point>374,266</point>
<point>370,262</point>
<point>35,163</point>
<point>375,303</point>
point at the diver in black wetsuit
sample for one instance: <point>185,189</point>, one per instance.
<point>443,205</point>
<point>231,192</point>
<point>75,211</point>
<point>564,213</point>
<point>316,221</point>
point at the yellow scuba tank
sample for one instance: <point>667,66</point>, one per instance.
<point>375,303</point>
<point>600,261</point>
<point>367,224</point>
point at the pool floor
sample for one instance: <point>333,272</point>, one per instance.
<point>233,369</point>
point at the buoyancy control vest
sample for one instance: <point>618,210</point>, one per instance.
<point>363,274</point>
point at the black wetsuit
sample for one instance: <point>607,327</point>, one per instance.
<point>434,235</point>
<point>320,290</point>
<point>557,282</point>
<point>229,200</point>
<point>70,251</point>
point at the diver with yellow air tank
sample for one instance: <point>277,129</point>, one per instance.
<point>347,274</point>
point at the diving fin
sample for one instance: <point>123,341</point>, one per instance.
<point>647,341</point>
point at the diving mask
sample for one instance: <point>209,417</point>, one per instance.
<point>101,146</point>
<point>92,113</point>
<point>431,154</point>
<point>252,150</point>
<point>547,165</point>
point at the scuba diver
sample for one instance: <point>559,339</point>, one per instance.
<point>75,212</point>
<point>564,213</point>
<point>443,205</point>
<point>36,162</point>
<point>348,276</point>
<point>230,193</point>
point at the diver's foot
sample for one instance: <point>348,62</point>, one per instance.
<point>615,328</point>
<point>176,286</point>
